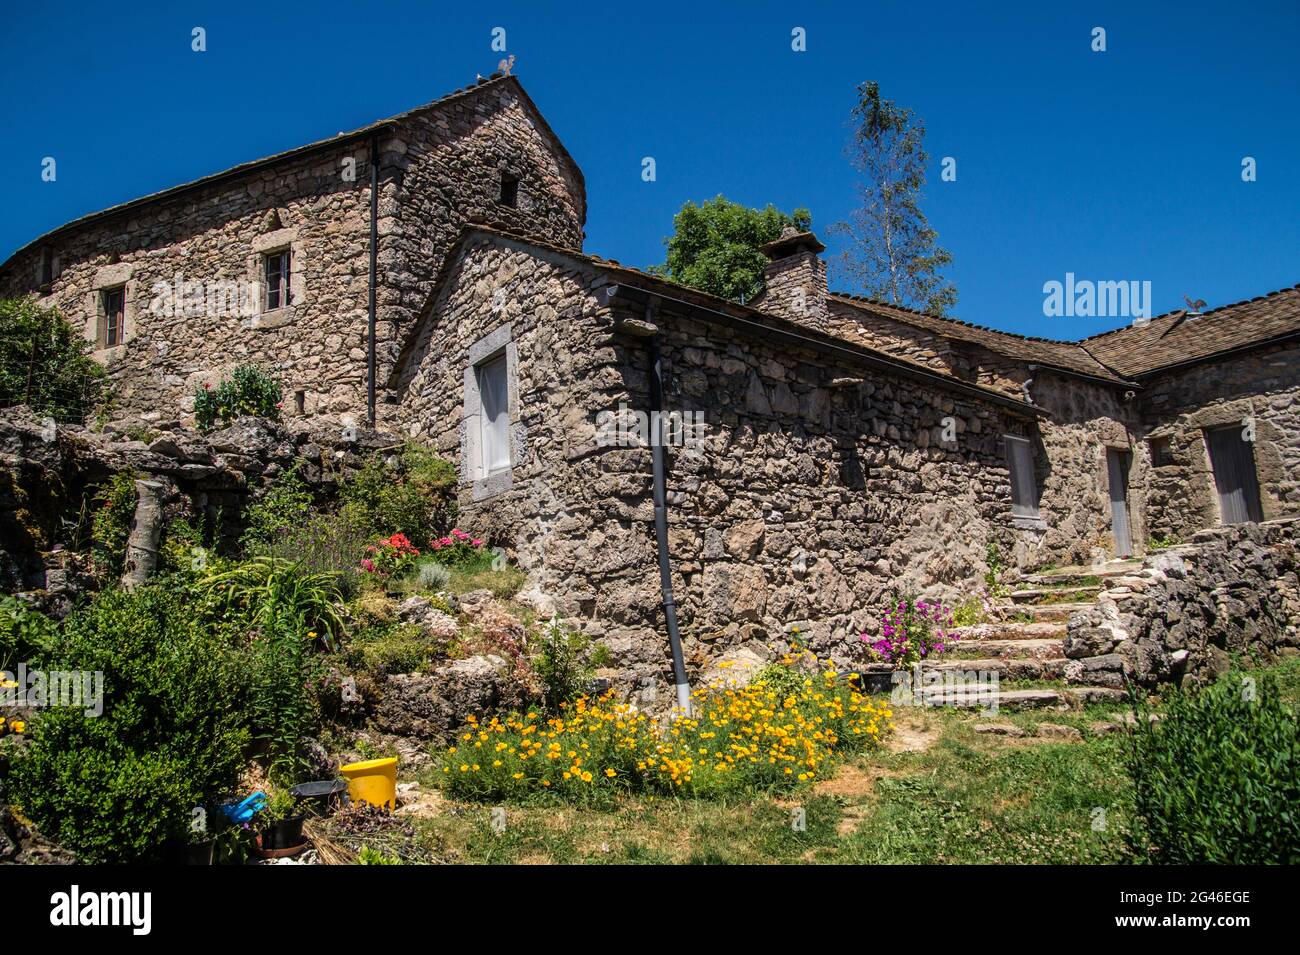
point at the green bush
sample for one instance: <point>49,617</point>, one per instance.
<point>117,787</point>
<point>276,595</point>
<point>26,635</point>
<point>286,504</point>
<point>393,648</point>
<point>279,667</point>
<point>563,664</point>
<point>45,363</point>
<point>414,496</point>
<point>114,510</point>
<point>1217,779</point>
<point>324,544</point>
<point>248,391</point>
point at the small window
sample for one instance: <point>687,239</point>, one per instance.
<point>47,269</point>
<point>1160,453</point>
<point>1024,491</point>
<point>495,418</point>
<point>114,303</point>
<point>299,402</point>
<point>277,279</point>
<point>509,190</point>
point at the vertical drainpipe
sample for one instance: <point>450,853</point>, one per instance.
<point>658,456</point>
<point>374,272</point>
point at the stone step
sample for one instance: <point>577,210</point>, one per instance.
<point>988,694</point>
<point>1033,649</point>
<point>1052,612</point>
<point>1038,595</point>
<point>1009,668</point>
<point>1072,576</point>
<point>1013,630</point>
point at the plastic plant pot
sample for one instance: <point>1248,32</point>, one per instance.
<point>321,797</point>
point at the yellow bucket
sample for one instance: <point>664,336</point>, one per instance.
<point>373,781</point>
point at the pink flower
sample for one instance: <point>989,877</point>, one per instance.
<point>476,542</point>
<point>368,565</point>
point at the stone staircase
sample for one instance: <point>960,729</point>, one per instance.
<point>1027,645</point>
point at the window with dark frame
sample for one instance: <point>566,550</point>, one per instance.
<point>277,279</point>
<point>509,190</point>
<point>114,301</point>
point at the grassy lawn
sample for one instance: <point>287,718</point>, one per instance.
<point>939,793</point>
<point>964,797</point>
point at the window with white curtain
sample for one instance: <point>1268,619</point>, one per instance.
<point>495,418</point>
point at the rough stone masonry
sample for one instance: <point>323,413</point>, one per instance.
<point>852,450</point>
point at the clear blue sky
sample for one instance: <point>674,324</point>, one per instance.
<point>1117,165</point>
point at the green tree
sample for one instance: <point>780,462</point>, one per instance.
<point>714,246</point>
<point>892,254</point>
<point>45,363</point>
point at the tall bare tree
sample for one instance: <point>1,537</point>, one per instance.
<point>892,253</point>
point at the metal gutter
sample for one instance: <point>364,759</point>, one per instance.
<point>374,278</point>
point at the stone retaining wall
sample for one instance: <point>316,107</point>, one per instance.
<point>1232,589</point>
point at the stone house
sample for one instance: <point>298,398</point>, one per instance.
<point>824,451</point>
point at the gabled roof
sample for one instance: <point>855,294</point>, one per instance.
<point>1182,337</point>
<point>713,308</point>
<point>1051,353</point>
<point>1124,355</point>
<point>235,172</point>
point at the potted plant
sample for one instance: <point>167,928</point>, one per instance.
<point>281,822</point>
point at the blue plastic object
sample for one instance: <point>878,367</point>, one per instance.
<point>241,812</point>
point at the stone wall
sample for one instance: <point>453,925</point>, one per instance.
<point>1085,419</point>
<point>440,167</point>
<point>1178,406</point>
<point>819,487</point>
<point>49,472</point>
<point>1232,589</point>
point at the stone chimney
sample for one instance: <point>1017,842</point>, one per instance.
<point>795,279</point>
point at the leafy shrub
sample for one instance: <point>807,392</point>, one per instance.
<point>1217,779</point>
<point>389,556</point>
<point>433,576</point>
<point>116,787</point>
<point>996,568</point>
<point>562,664</point>
<point>45,363</point>
<point>114,511</point>
<point>461,550</point>
<point>275,595</point>
<point>911,631</point>
<point>393,648</point>
<point>286,504</point>
<point>412,496</point>
<point>324,544</point>
<point>740,740</point>
<point>26,635</point>
<point>279,667</point>
<point>247,391</point>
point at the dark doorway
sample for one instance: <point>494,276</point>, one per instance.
<point>1233,461</point>
<point>1117,465</point>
